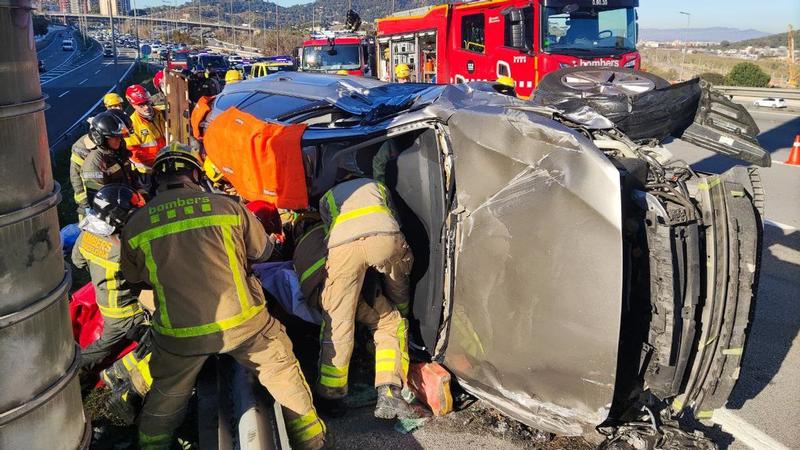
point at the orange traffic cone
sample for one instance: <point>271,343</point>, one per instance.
<point>794,153</point>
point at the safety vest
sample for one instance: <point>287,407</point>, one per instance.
<point>113,294</point>
<point>80,150</point>
<point>146,139</point>
<point>357,208</point>
<point>204,307</point>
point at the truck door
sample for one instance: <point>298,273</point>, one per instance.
<point>469,60</point>
<point>514,56</point>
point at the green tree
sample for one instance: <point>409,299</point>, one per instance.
<point>717,79</point>
<point>724,44</point>
<point>747,75</point>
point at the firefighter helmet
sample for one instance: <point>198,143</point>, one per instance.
<point>111,100</point>
<point>126,119</point>
<point>158,79</point>
<point>114,204</point>
<point>137,94</point>
<point>402,71</point>
<point>233,76</point>
<point>505,85</point>
<point>176,158</point>
<point>211,170</point>
<point>105,125</point>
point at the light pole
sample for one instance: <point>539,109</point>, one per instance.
<point>685,35</point>
<point>200,21</point>
<point>113,34</point>
<point>136,30</point>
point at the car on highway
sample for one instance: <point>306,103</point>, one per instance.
<point>770,102</point>
<point>108,52</point>
<point>234,60</point>
<point>67,45</point>
<point>567,270</point>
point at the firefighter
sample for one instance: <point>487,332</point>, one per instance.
<point>377,313</point>
<point>98,249</point>
<point>112,100</point>
<point>233,76</point>
<point>363,233</point>
<point>403,73</point>
<point>81,149</point>
<point>505,85</point>
<point>148,133</point>
<point>108,161</point>
<point>217,307</point>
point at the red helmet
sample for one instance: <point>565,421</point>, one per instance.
<point>268,215</point>
<point>137,94</point>
<point>158,79</point>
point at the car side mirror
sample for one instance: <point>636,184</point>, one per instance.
<point>518,25</point>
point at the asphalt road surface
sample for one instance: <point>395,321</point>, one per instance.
<point>80,83</point>
<point>763,409</point>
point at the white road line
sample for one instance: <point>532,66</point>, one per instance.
<point>63,94</point>
<point>97,71</point>
<point>84,81</point>
<point>782,226</point>
<point>744,432</point>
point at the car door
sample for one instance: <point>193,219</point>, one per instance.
<point>534,322</point>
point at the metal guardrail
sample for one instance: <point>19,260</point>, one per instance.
<point>788,94</point>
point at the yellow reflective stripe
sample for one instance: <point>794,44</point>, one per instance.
<point>120,312</point>
<point>334,210</point>
<point>209,328</point>
<point>313,269</point>
<point>111,281</point>
<point>76,159</point>
<point>184,225</point>
<point>386,353</point>
<point>150,263</point>
<point>142,366</point>
<point>309,433</point>
<point>401,337</point>
<point>333,370</point>
<point>238,281</point>
<point>79,196</point>
<point>332,376</point>
<point>384,366</point>
<point>308,233</point>
<point>385,360</point>
<point>350,215</point>
<point>706,185</point>
<point>302,421</point>
<point>332,382</point>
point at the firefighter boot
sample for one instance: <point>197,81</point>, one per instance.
<point>391,404</point>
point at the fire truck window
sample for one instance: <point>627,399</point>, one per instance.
<point>518,29</point>
<point>472,33</point>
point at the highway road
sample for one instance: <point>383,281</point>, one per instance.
<point>763,409</point>
<point>80,82</point>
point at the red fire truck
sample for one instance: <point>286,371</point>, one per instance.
<point>521,39</point>
<point>331,53</point>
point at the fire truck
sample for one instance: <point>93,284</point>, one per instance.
<point>520,39</point>
<point>333,52</point>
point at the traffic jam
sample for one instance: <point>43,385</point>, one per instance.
<point>476,200</point>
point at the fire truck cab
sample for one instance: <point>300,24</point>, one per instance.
<point>521,39</point>
<point>331,53</point>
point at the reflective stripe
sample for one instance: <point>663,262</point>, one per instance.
<point>120,313</point>
<point>142,366</point>
<point>152,270</point>
<point>337,218</point>
<point>209,328</point>
<point>113,310</point>
<point>384,366</point>
<point>385,360</point>
<point>386,353</point>
<point>76,159</point>
<point>309,433</point>
<point>183,225</point>
<point>308,233</point>
<point>401,337</point>
<point>313,269</point>
<point>302,421</point>
<point>79,196</point>
<point>238,281</point>
<point>332,376</point>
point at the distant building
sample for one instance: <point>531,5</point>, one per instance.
<point>118,7</point>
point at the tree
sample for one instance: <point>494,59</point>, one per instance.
<point>725,44</point>
<point>747,75</point>
<point>717,79</point>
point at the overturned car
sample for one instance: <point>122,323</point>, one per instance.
<point>567,271</point>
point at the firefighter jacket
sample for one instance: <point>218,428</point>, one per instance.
<point>115,296</point>
<point>194,249</point>
<point>310,255</point>
<point>80,150</point>
<point>357,208</point>
<point>146,139</point>
<point>102,167</point>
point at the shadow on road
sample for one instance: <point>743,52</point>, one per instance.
<point>777,315</point>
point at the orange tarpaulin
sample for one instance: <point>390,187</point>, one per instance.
<point>262,160</point>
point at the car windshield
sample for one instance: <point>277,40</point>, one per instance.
<point>213,62</point>
<point>324,58</point>
<point>588,30</point>
<point>180,56</point>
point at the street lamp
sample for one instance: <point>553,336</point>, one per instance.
<point>685,35</point>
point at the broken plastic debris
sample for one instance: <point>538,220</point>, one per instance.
<point>406,426</point>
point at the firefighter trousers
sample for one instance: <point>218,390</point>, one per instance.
<point>268,353</point>
<point>341,305</point>
<point>111,341</point>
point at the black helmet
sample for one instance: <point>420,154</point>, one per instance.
<point>105,125</point>
<point>126,119</point>
<point>176,158</point>
<point>114,204</point>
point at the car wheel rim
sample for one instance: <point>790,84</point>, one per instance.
<point>608,82</point>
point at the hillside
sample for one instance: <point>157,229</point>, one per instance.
<point>774,40</point>
<point>712,34</point>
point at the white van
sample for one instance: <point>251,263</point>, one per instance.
<point>67,45</point>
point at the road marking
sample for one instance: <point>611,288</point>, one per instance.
<point>782,226</point>
<point>84,81</point>
<point>98,71</point>
<point>781,163</point>
<point>744,432</point>
<point>63,94</point>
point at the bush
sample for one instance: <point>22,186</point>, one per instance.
<point>717,79</point>
<point>747,75</point>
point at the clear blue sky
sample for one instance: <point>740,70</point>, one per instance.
<point>770,16</point>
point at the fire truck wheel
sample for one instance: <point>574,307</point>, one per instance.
<point>603,81</point>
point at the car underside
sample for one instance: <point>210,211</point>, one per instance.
<point>567,270</point>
